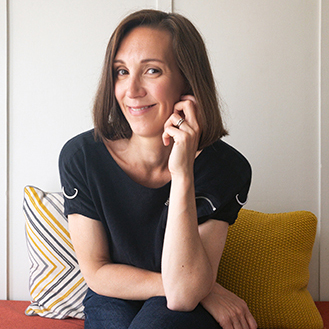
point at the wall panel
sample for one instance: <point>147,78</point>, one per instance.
<point>265,56</point>
<point>165,5</point>
<point>56,53</point>
<point>324,95</point>
<point>3,149</point>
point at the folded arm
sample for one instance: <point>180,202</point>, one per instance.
<point>102,276</point>
<point>191,252</point>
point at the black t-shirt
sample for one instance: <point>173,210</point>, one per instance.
<point>134,216</point>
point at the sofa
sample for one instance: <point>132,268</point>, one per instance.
<point>265,262</point>
<point>12,317</point>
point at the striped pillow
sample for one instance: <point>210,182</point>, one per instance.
<point>56,284</point>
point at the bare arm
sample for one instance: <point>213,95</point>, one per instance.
<point>102,276</point>
<point>193,261</point>
<point>190,253</point>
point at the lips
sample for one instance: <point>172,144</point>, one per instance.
<point>138,109</point>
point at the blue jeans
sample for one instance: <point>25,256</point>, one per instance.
<point>113,313</point>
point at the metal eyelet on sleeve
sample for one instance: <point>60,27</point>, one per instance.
<point>205,198</point>
<point>198,197</point>
<point>239,202</point>
<point>70,197</point>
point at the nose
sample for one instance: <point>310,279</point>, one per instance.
<point>135,87</point>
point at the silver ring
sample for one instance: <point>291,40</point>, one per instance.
<point>179,123</point>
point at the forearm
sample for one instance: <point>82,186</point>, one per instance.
<point>186,270</point>
<point>102,276</point>
<point>125,282</point>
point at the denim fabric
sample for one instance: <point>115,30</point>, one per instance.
<point>113,313</point>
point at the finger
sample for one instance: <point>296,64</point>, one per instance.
<point>188,97</point>
<point>247,320</point>
<point>174,120</point>
<point>225,322</point>
<point>167,135</point>
<point>171,131</point>
<point>251,321</point>
<point>237,314</point>
<point>243,323</point>
<point>193,100</point>
<point>187,110</point>
<point>237,324</point>
<point>177,135</point>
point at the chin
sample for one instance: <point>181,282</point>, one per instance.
<point>145,133</point>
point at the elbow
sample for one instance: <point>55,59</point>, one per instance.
<point>180,304</point>
<point>186,300</point>
<point>93,282</point>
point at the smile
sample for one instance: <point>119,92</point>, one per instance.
<point>139,109</point>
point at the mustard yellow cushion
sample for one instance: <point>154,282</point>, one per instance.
<point>265,262</point>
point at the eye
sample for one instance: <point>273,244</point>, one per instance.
<point>121,72</point>
<point>152,71</point>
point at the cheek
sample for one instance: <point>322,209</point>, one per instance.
<point>118,91</point>
<point>117,94</point>
<point>170,93</point>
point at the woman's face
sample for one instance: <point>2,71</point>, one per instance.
<point>148,81</point>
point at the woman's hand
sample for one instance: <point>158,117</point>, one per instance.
<point>186,136</point>
<point>230,311</point>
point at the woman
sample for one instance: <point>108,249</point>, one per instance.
<point>150,192</point>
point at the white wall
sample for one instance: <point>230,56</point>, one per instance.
<point>266,58</point>
<point>324,137</point>
<point>3,149</point>
<point>56,54</point>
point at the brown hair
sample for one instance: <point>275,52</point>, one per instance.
<point>192,60</point>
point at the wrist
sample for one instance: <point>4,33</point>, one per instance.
<point>183,179</point>
<point>155,284</point>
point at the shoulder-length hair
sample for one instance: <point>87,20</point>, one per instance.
<point>192,59</point>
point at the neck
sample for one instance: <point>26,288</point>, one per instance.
<point>140,153</point>
<point>145,160</point>
<point>149,152</point>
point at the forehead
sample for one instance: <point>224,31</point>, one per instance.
<point>146,42</point>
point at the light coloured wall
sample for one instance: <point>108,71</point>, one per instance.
<point>324,137</point>
<point>56,51</point>
<point>266,59</point>
<point>3,149</point>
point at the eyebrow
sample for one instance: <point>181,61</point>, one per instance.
<point>142,61</point>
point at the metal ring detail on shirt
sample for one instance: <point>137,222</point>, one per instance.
<point>239,202</point>
<point>70,197</point>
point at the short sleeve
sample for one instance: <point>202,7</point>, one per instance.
<point>222,183</point>
<point>73,169</point>
<point>226,211</point>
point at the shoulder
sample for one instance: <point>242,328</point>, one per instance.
<point>81,151</point>
<point>77,145</point>
<point>222,159</point>
<point>222,175</point>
